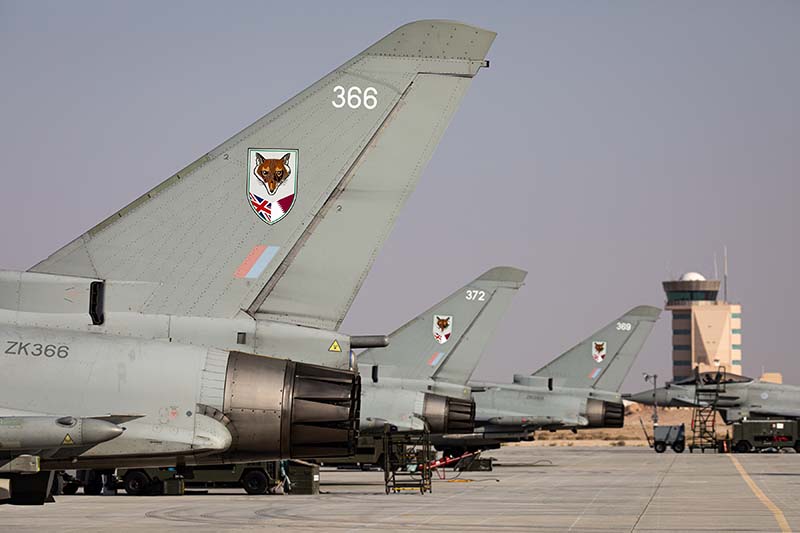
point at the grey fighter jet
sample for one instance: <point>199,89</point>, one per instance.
<point>199,324</point>
<point>577,390</point>
<point>740,397</point>
<point>429,359</point>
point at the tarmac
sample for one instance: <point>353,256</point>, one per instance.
<point>530,489</point>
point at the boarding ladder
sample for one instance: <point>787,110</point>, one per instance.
<point>407,461</point>
<point>707,389</point>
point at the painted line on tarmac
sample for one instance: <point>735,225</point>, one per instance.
<point>776,511</point>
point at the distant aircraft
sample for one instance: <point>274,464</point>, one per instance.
<point>162,336</point>
<point>415,383</point>
<point>577,390</point>
<point>740,397</point>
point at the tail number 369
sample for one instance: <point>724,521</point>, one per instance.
<point>355,97</point>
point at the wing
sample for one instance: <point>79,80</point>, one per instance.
<point>780,411</point>
<point>356,143</point>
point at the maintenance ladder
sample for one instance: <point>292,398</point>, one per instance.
<point>704,416</point>
<point>407,461</point>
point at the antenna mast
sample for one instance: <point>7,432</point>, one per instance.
<point>716,270</point>
<point>725,273</point>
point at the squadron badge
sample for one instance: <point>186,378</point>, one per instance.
<point>271,182</point>
<point>442,328</point>
<point>598,351</point>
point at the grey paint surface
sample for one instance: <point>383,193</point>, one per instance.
<point>415,363</point>
<point>170,387</point>
<point>629,141</point>
<point>621,339</point>
<point>356,164</point>
<point>540,489</point>
<point>560,394</point>
<point>472,312</point>
<point>750,399</point>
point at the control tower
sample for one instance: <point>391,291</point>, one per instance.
<point>706,332</point>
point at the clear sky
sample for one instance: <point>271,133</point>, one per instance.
<point>633,140</point>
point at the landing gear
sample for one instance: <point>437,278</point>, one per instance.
<point>93,485</point>
<point>255,482</point>
<point>69,489</point>
<point>136,483</point>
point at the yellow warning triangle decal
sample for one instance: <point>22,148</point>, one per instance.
<point>67,440</point>
<point>335,346</point>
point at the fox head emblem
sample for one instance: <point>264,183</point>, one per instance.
<point>272,172</point>
<point>599,347</point>
<point>442,322</point>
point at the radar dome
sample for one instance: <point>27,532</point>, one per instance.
<point>693,276</point>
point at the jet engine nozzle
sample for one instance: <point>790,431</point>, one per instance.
<point>284,409</point>
<point>603,414</point>
<point>449,415</point>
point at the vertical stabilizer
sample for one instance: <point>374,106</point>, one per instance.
<point>603,360</point>
<point>446,341</point>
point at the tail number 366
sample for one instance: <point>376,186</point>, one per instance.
<point>355,97</point>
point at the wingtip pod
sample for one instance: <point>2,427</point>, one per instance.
<point>436,39</point>
<point>645,312</point>
<point>504,274</point>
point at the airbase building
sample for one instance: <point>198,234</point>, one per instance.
<point>706,332</point>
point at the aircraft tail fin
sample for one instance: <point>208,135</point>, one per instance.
<point>284,219</point>
<point>446,341</point>
<point>603,360</point>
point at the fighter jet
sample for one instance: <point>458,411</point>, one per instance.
<point>199,324</point>
<point>416,382</point>
<point>738,397</point>
<point>577,390</point>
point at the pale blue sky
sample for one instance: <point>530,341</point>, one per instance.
<point>633,139</point>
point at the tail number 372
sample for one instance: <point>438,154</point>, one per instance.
<point>355,97</point>
<point>476,296</point>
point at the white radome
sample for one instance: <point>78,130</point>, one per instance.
<point>693,276</point>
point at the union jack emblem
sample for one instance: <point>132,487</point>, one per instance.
<point>262,207</point>
<point>442,328</point>
<point>272,176</point>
